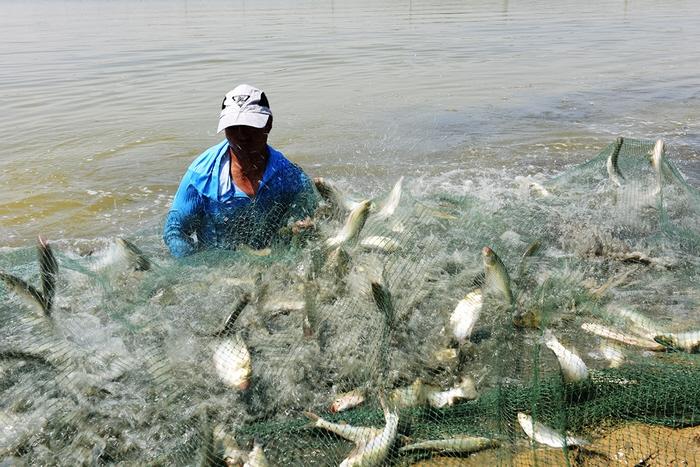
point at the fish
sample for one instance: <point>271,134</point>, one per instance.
<point>643,326</point>
<point>572,366</point>
<point>465,390</point>
<point>414,395</point>
<point>374,451</point>
<point>232,454</point>
<point>496,275</point>
<point>311,318</point>
<point>29,294</point>
<point>256,457</point>
<point>539,189</point>
<point>546,435</point>
<point>227,328</point>
<point>338,262</point>
<point>353,225</point>
<point>613,355</point>
<point>380,243</point>
<point>382,298</point>
<point>465,315</point>
<point>457,444</point>
<point>446,355</point>
<point>135,257</point>
<point>356,434</point>
<point>531,250</point>
<point>48,268</point>
<point>333,196</point>
<point>232,363</point>
<point>392,201</point>
<point>41,300</point>
<point>628,339</point>
<point>613,169</point>
<point>659,165</point>
<point>348,400</point>
<point>686,341</point>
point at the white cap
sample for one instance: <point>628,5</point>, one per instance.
<point>244,105</point>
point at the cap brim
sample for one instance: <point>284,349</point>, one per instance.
<point>256,120</point>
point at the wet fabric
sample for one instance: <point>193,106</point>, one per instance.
<point>225,219</point>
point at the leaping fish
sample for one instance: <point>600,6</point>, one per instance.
<point>48,267</point>
<point>334,196</point>
<point>392,201</point>
<point>659,164</point>
<point>353,225</point>
<point>496,274</point>
<point>613,169</point>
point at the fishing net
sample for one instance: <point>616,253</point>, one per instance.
<point>405,345</point>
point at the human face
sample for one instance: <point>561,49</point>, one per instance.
<point>248,141</point>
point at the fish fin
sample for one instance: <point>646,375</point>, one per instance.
<point>48,267</point>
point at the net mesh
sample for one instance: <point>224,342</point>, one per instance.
<point>571,339</point>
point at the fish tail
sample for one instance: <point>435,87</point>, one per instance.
<point>48,267</point>
<point>136,257</point>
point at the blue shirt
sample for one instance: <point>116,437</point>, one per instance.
<point>209,205</point>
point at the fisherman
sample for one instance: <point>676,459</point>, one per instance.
<point>241,191</point>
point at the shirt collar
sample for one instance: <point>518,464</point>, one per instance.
<point>226,183</point>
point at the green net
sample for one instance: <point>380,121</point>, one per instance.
<point>527,322</point>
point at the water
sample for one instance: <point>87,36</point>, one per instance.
<point>106,103</point>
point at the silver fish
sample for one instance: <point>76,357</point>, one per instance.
<point>256,457</point>
<point>374,451</point>
<point>380,243</point>
<point>458,444</point>
<point>48,268</point>
<point>628,339</point>
<point>353,225</point>
<point>465,315</point>
<point>348,400</point>
<point>496,274</point>
<point>572,366</point>
<point>333,196</point>
<point>465,390</point>
<point>392,201</point>
<point>686,341</point>
<point>232,363</point>
<point>356,434</point>
<point>546,435</point>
